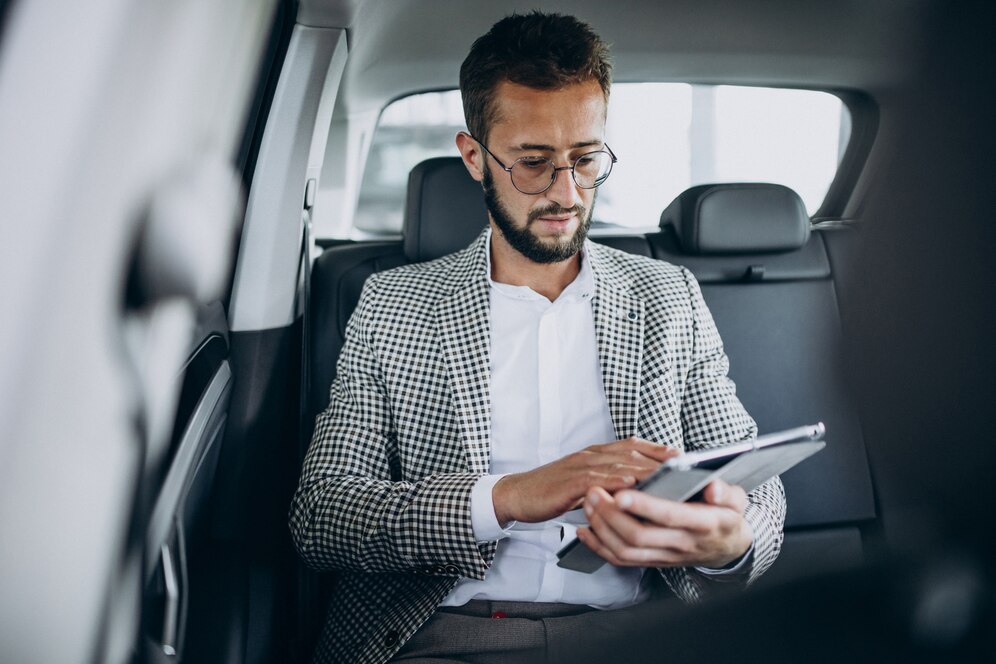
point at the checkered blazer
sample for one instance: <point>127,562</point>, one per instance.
<point>384,495</point>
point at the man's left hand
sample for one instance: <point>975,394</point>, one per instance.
<point>633,529</point>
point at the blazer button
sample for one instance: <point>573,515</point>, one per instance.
<point>391,639</point>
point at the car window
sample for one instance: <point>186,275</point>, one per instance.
<point>667,136</point>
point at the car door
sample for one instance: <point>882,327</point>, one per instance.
<point>120,122</point>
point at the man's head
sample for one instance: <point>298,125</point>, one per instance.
<point>537,50</point>
<point>536,86</point>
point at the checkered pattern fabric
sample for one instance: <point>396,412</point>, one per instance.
<point>384,495</point>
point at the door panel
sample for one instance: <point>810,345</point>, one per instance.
<point>178,536</point>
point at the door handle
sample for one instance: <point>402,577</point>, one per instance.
<point>171,609</point>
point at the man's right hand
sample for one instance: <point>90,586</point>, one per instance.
<point>560,486</point>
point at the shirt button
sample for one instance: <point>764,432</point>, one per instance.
<point>391,639</point>
<point>453,570</point>
<point>498,615</point>
<point>631,315</point>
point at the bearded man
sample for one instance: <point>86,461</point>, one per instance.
<point>490,404</point>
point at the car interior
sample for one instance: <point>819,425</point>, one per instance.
<point>195,170</point>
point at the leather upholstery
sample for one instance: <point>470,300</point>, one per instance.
<point>738,218</point>
<point>444,211</point>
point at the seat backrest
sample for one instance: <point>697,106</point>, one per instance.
<point>444,212</point>
<point>769,284</point>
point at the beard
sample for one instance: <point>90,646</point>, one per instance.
<point>524,241</point>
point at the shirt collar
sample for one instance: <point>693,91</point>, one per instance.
<point>583,286</point>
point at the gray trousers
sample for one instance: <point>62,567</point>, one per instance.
<point>485,632</point>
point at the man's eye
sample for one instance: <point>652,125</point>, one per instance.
<point>531,163</point>
<point>584,161</point>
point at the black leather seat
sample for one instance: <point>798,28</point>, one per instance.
<point>769,283</point>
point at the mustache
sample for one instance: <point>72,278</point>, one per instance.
<point>554,210</point>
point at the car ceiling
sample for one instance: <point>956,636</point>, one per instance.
<point>403,46</point>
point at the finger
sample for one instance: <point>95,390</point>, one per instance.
<point>626,530</point>
<point>668,513</point>
<point>648,449</point>
<point>610,481</point>
<point>624,468</point>
<point>721,494</point>
<point>591,540</point>
<point>608,544</point>
<point>662,453</point>
<point>646,455</point>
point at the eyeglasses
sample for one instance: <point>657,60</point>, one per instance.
<point>534,175</point>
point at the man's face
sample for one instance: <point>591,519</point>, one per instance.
<point>560,125</point>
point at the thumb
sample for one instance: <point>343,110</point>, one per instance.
<point>721,494</point>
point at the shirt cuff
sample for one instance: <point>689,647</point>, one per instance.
<point>732,568</point>
<point>482,510</point>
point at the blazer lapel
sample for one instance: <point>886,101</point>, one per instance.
<point>619,323</point>
<point>463,322</point>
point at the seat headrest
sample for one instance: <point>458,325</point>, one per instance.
<point>738,218</point>
<point>445,209</point>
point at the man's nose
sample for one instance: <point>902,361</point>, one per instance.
<point>563,191</point>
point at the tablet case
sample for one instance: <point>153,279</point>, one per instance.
<point>748,469</point>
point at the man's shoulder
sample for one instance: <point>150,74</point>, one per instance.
<point>425,281</point>
<point>640,272</point>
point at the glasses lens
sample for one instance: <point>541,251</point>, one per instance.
<point>532,175</point>
<point>591,170</point>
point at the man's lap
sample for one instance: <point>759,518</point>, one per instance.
<point>483,632</point>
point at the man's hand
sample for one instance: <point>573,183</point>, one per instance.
<point>633,529</point>
<point>560,486</point>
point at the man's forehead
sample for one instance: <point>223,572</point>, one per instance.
<point>570,117</point>
<point>577,145</point>
<point>510,91</point>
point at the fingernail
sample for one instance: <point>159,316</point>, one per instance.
<point>624,500</point>
<point>592,499</point>
<point>719,492</point>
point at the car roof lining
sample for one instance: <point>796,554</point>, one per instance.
<point>806,43</point>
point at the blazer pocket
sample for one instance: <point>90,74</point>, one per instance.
<point>660,412</point>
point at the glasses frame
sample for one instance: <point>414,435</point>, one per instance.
<point>553,176</point>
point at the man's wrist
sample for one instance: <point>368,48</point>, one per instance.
<point>733,567</point>
<point>483,512</point>
<point>501,498</point>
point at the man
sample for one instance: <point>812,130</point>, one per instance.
<point>487,403</point>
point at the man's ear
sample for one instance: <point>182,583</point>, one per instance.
<point>473,156</point>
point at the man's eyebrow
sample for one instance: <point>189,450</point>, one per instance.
<point>523,147</point>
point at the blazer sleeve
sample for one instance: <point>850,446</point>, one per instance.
<point>711,415</point>
<point>349,510</point>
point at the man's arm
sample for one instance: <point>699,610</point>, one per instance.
<point>711,413</point>
<point>633,529</point>
<point>348,511</point>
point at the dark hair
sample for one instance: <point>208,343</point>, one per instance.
<point>544,51</point>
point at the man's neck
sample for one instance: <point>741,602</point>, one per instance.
<point>508,266</point>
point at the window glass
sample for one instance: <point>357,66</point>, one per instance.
<point>668,137</point>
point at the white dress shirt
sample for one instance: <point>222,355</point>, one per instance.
<point>547,401</point>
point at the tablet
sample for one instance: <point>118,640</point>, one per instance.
<point>748,464</point>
